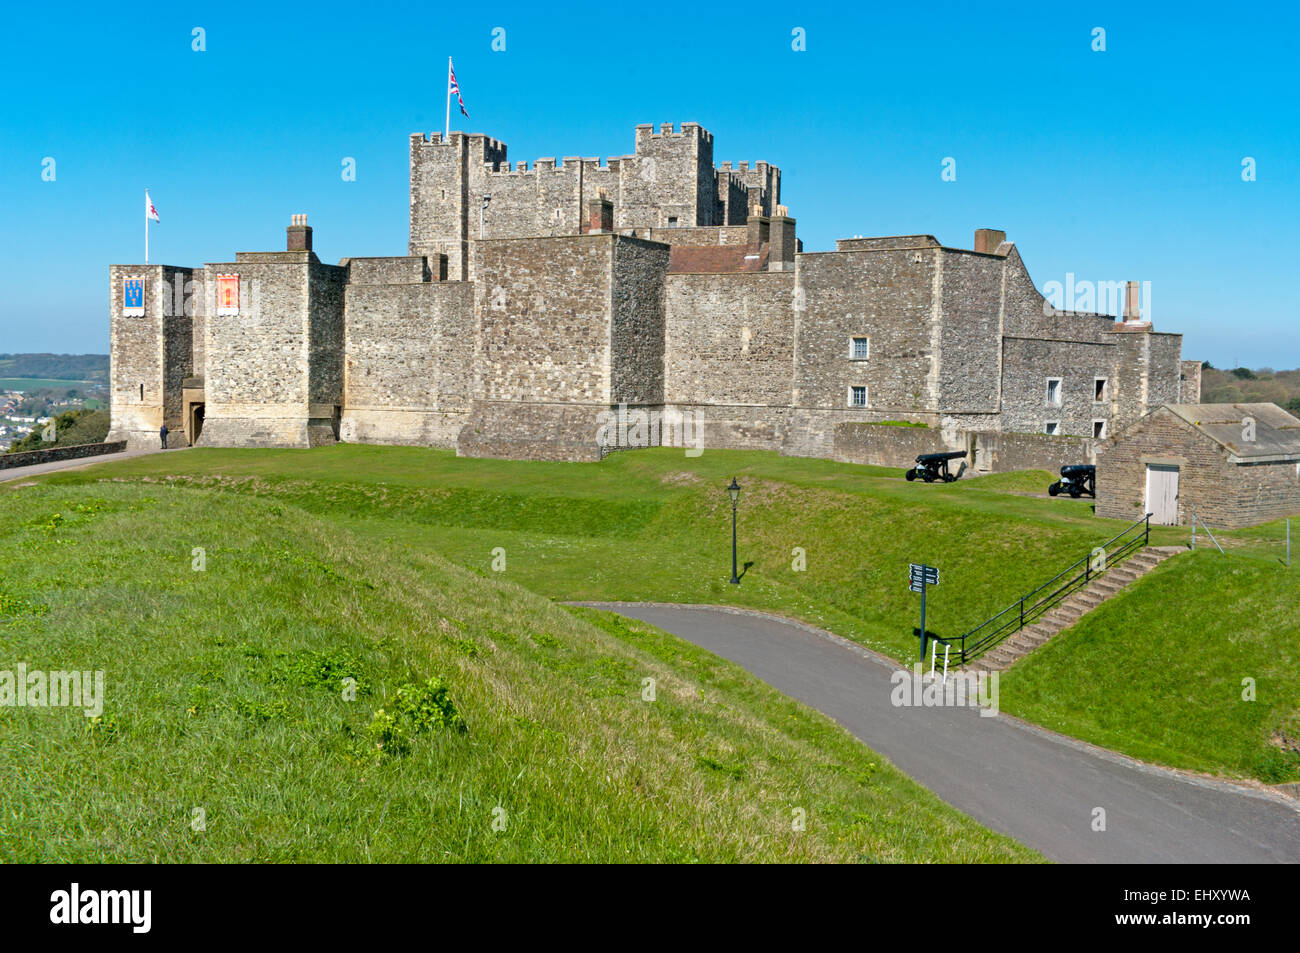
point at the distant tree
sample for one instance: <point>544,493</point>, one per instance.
<point>1207,366</point>
<point>71,428</point>
<point>1244,373</point>
<point>1293,406</point>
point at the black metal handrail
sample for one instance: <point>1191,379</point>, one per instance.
<point>982,636</point>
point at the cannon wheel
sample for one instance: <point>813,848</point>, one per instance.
<point>911,475</point>
<point>1076,492</point>
<point>928,476</point>
<point>1054,489</point>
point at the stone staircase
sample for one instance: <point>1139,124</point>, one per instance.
<point>1072,608</point>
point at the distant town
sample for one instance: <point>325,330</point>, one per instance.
<point>68,390</point>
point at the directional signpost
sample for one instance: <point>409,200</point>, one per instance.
<point>922,576</point>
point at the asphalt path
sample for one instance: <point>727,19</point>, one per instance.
<point>1039,787</point>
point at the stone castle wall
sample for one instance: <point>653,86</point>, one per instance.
<point>685,301</point>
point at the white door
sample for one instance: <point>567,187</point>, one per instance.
<point>1162,494</point>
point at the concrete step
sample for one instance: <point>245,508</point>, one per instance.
<point>1071,609</point>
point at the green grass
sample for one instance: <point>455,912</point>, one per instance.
<point>655,525</point>
<point>1162,670</point>
<point>227,694</point>
<point>39,383</point>
<point>1148,673</point>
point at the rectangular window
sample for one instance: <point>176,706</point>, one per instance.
<point>1100,392</point>
<point>857,397</point>
<point>1099,428</point>
<point>672,221</point>
<point>1053,392</point>
<point>1052,427</point>
<point>859,348</point>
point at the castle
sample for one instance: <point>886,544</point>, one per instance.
<point>536,302</point>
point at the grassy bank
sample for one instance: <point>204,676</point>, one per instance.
<point>280,687</point>
<point>1149,673</point>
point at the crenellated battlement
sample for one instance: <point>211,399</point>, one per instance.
<point>463,188</point>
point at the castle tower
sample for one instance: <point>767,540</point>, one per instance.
<point>273,342</point>
<point>153,313</point>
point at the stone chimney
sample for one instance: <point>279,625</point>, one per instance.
<point>781,236</point>
<point>1132,302</point>
<point>298,236</point>
<point>757,225</point>
<point>987,240</point>
<point>600,215</point>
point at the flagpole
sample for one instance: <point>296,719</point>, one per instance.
<point>446,131</point>
<point>146,226</point>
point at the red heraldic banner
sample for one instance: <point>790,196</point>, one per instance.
<point>227,294</point>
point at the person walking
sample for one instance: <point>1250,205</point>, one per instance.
<point>163,434</point>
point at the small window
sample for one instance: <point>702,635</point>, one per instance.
<point>1099,428</point>
<point>672,221</point>
<point>1100,390</point>
<point>1054,392</point>
<point>859,348</point>
<point>857,397</point>
<point>1052,427</point>
<point>444,195</point>
<point>142,392</point>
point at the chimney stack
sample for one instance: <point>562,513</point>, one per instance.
<point>781,238</point>
<point>1132,308</point>
<point>987,240</point>
<point>298,234</point>
<point>600,215</point>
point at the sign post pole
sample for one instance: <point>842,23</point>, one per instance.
<point>920,577</point>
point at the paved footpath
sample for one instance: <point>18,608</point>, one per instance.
<point>1036,786</point>
<point>36,469</point>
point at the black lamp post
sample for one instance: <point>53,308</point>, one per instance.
<point>734,492</point>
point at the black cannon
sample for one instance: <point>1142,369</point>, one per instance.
<point>934,466</point>
<point>1076,480</point>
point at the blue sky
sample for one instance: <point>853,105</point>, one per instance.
<point>1110,165</point>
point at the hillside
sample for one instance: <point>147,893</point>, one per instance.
<point>61,367</point>
<point>655,526</point>
<point>487,723</point>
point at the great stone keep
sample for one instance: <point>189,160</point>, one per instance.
<point>535,301</point>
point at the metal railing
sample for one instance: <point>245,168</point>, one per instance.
<point>1032,605</point>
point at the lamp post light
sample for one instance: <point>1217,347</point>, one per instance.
<point>734,492</point>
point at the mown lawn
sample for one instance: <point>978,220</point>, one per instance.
<point>268,697</point>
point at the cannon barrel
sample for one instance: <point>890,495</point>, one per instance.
<point>936,457</point>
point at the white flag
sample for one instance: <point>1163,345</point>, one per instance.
<point>149,210</point>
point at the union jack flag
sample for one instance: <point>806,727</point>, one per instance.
<point>453,87</point>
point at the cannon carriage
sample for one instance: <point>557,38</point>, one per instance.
<point>1076,480</point>
<point>934,466</point>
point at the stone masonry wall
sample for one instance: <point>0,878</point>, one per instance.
<point>27,458</point>
<point>887,296</point>
<point>970,340</point>
<point>409,352</point>
<point>149,356</point>
<point>257,388</point>
<point>730,339</point>
<point>543,310</point>
<point>637,322</point>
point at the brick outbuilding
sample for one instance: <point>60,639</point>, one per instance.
<point>1235,464</point>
